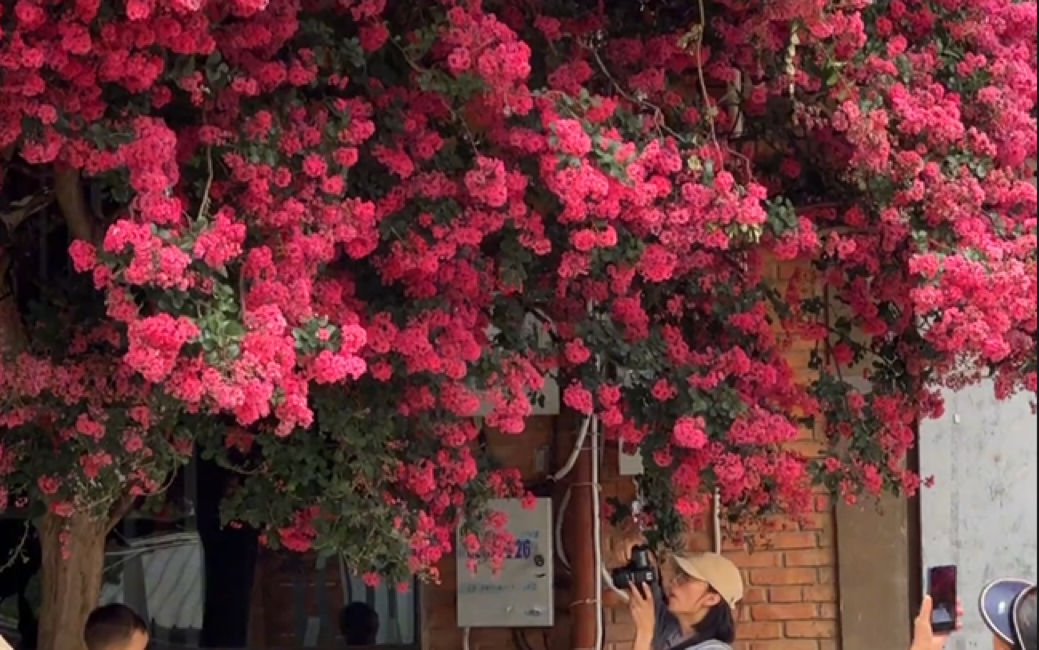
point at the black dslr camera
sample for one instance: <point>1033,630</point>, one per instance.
<point>638,571</point>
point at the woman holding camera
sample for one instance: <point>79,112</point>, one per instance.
<point>692,607</point>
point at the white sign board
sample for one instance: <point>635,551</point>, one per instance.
<point>520,595</point>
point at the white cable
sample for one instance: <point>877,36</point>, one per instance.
<point>608,581</point>
<point>600,622</point>
<point>716,522</point>
<point>572,460</point>
<point>561,474</point>
<point>465,638</point>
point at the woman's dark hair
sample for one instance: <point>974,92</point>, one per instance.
<point>1025,620</point>
<point>718,625</point>
<point>1008,609</point>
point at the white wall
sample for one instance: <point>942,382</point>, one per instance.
<point>981,512</point>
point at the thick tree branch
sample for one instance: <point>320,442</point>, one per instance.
<point>74,208</point>
<point>118,511</point>
<point>12,334</point>
<point>6,155</point>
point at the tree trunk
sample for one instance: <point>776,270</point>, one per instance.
<point>73,569</point>
<point>12,336</point>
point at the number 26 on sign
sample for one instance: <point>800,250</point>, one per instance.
<point>521,550</point>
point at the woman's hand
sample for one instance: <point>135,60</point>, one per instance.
<point>924,638</point>
<point>643,614</point>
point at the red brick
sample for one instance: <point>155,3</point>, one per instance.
<point>782,524</point>
<point>828,610</point>
<point>810,629</point>
<point>803,434</point>
<point>760,630</point>
<point>826,537</point>
<point>763,558</point>
<point>622,632</point>
<point>813,557</point>
<point>820,594</point>
<point>817,521</point>
<point>783,576</point>
<point>618,616</point>
<point>793,539</point>
<point>755,595</point>
<point>785,594</point>
<point>827,576</point>
<point>799,644</point>
<point>808,447</point>
<point>784,612</point>
<point>743,615</point>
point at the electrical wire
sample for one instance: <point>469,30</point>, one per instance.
<point>568,467</point>
<point>600,622</point>
<point>519,639</point>
<point>575,453</point>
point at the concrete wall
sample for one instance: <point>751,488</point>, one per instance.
<point>981,512</point>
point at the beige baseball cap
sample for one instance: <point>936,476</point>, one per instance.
<point>717,571</point>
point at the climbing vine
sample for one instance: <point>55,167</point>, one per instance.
<point>307,236</point>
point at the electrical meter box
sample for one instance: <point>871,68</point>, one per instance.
<point>520,594</point>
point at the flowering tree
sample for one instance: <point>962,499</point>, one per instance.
<point>294,222</point>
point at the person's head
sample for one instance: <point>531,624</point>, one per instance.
<point>702,592</point>
<point>359,624</point>
<point>115,627</point>
<point>1008,609</point>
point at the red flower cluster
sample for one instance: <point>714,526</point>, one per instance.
<point>310,214</point>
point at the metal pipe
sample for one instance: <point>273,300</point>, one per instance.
<point>583,600</point>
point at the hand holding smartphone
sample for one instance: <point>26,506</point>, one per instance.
<point>941,587</point>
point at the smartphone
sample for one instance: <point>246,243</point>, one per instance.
<point>941,586</point>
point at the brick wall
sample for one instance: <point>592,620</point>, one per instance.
<point>791,601</point>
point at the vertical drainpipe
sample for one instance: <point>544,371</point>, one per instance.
<point>579,529</point>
